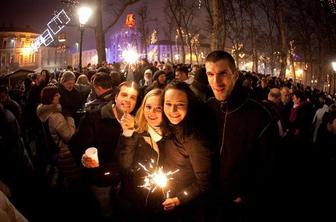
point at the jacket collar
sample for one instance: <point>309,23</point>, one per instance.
<point>236,99</point>
<point>44,111</point>
<point>106,111</point>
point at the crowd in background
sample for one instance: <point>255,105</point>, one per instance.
<point>50,119</point>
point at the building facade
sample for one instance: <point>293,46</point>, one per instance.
<point>16,52</point>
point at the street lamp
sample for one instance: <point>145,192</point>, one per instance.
<point>333,64</point>
<point>84,14</point>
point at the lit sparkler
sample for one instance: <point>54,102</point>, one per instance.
<point>130,55</point>
<point>157,179</point>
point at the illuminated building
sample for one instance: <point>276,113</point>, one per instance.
<point>15,48</point>
<point>16,52</point>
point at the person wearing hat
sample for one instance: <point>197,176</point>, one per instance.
<point>71,99</point>
<point>147,78</point>
<point>159,81</point>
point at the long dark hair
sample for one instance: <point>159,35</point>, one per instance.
<point>196,112</point>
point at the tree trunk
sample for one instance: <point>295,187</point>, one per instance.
<point>100,35</point>
<point>283,38</point>
<point>216,24</point>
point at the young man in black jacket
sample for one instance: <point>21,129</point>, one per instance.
<point>101,129</point>
<point>247,137</point>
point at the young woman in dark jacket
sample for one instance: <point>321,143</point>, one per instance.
<point>187,148</point>
<point>140,149</point>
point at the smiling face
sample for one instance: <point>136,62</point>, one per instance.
<point>221,78</point>
<point>153,111</point>
<point>175,105</point>
<point>126,99</point>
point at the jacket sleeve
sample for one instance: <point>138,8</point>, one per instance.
<point>126,148</point>
<point>83,138</point>
<point>65,127</point>
<point>201,158</point>
<point>260,184</point>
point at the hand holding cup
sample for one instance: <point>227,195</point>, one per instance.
<point>90,158</point>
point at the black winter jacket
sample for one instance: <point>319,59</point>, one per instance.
<point>99,129</point>
<point>248,135</point>
<point>193,156</point>
<point>133,151</point>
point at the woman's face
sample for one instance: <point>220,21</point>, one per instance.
<point>56,98</point>
<point>153,111</point>
<point>175,105</point>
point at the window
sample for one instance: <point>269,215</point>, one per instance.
<point>4,44</point>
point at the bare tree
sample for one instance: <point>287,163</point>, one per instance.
<point>143,28</point>
<point>183,13</point>
<point>100,31</point>
<point>283,37</point>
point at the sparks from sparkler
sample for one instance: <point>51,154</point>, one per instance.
<point>130,55</point>
<point>157,179</point>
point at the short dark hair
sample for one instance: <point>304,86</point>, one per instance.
<point>183,69</point>
<point>103,80</point>
<point>221,55</point>
<point>48,93</point>
<point>127,84</point>
<point>299,94</point>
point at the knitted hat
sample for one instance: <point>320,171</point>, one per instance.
<point>68,75</point>
<point>158,73</point>
<point>148,71</point>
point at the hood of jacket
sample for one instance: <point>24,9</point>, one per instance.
<point>44,111</point>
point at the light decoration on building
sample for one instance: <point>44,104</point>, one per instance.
<point>55,25</point>
<point>130,20</point>
<point>153,37</point>
<point>199,4</point>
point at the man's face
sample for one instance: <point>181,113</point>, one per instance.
<point>166,69</point>
<point>221,78</point>
<point>126,99</point>
<point>181,76</point>
<point>69,85</point>
<point>285,96</point>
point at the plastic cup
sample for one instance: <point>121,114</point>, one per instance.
<point>92,152</point>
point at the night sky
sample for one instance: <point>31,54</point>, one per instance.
<point>37,13</point>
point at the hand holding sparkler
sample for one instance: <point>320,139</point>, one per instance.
<point>127,123</point>
<point>159,179</point>
<point>171,203</point>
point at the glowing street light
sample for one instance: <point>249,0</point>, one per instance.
<point>84,14</point>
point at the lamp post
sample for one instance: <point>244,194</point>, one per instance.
<point>84,14</point>
<point>334,68</point>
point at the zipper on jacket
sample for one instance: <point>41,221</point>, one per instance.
<point>224,128</point>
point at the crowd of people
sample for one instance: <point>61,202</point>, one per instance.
<point>242,146</point>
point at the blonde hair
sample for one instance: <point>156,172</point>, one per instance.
<point>141,123</point>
